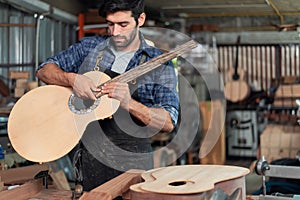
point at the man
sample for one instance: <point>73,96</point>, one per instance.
<point>115,144</point>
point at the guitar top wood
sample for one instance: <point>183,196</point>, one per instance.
<point>187,179</point>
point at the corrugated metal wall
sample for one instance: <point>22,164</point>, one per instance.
<point>55,36</point>
<point>18,38</point>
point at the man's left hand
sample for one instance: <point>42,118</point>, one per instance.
<point>119,91</point>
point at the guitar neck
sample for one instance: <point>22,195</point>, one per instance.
<point>236,76</point>
<point>154,63</point>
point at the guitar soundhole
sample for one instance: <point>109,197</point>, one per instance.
<point>178,183</point>
<point>82,106</point>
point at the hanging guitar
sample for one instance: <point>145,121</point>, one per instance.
<point>236,88</point>
<point>47,122</point>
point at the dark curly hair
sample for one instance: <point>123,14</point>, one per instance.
<point>112,6</point>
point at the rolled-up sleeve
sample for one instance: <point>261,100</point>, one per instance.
<point>166,93</point>
<point>161,93</point>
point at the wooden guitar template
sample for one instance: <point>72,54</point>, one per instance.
<point>189,182</point>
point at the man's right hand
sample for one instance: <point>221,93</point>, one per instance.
<point>84,87</point>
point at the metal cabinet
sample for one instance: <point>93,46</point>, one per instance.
<point>242,133</point>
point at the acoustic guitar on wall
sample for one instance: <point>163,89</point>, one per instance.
<point>236,88</point>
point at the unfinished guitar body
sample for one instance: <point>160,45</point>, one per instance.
<point>41,126</point>
<point>190,182</point>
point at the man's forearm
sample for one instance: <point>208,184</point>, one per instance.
<point>52,74</point>
<point>155,117</point>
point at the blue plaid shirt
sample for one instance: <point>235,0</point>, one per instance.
<point>157,88</point>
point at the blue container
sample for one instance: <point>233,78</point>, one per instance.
<point>1,153</point>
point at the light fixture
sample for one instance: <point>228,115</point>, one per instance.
<point>38,6</point>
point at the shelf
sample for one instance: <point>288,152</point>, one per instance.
<point>91,23</point>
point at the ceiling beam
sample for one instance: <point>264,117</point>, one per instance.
<point>213,6</point>
<point>187,15</point>
<point>270,2</point>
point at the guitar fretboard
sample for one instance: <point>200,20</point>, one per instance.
<point>154,63</point>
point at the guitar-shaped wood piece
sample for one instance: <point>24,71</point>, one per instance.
<point>236,89</point>
<point>47,122</point>
<point>189,182</point>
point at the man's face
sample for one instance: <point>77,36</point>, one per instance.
<point>122,27</point>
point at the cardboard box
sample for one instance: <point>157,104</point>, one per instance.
<point>280,141</point>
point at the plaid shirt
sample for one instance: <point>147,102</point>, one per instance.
<point>156,89</point>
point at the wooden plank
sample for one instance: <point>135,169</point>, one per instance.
<point>115,186</point>
<point>32,85</point>
<point>280,141</point>
<point>25,191</point>
<point>19,92</point>
<point>203,27</point>
<point>53,194</point>
<point>19,74</point>
<point>290,79</point>
<point>285,102</point>
<point>60,180</point>
<point>292,90</point>
<point>21,83</point>
<point>96,195</point>
<point>22,174</point>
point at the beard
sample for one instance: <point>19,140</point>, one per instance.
<point>123,41</point>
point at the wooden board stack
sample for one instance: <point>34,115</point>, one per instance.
<point>287,92</point>
<point>20,80</point>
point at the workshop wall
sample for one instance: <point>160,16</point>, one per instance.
<point>18,40</point>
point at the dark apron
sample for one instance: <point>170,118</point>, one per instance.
<point>108,147</point>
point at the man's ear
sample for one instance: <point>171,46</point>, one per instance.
<point>142,19</point>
